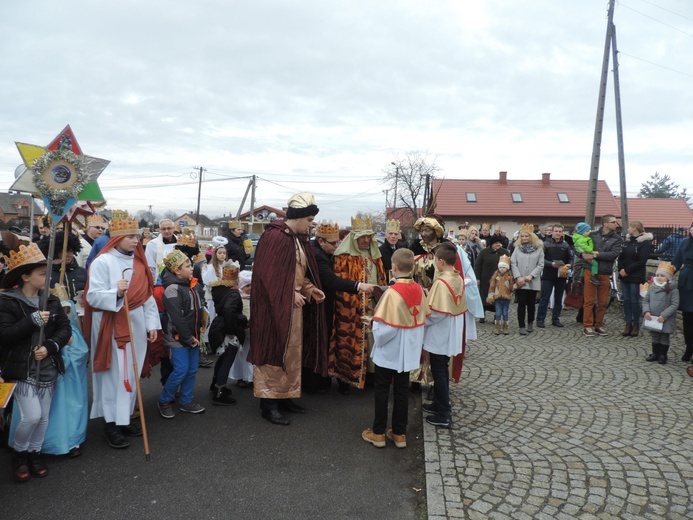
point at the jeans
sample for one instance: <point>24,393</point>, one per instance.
<point>526,302</point>
<point>632,308</point>
<point>34,405</point>
<point>441,382</point>
<point>595,295</point>
<point>558,287</point>
<point>502,309</point>
<point>185,361</point>
<point>400,406</point>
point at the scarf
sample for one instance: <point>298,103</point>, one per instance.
<point>528,249</point>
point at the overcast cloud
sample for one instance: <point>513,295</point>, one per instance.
<point>320,96</point>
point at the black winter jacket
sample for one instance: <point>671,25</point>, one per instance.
<point>555,251</point>
<point>75,277</point>
<point>184,310</point>
<point>230,319</point>
<point>19,335</point>
<point>633,257</point>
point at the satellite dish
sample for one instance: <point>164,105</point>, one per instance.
<point>19,170</point>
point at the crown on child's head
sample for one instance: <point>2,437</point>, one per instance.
<point>186,238</point>
<point>393,225</point>
<point>666,269</point>
<point>504,259</point>
<point>229,274</point>
<point>95,220</point>
<point>122,224</point>
<point>175,259</point>
<point>25,255</point>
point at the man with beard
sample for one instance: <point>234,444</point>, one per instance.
<point>287,322</point>
<point>357,258</point>
<point>484,267</point>
<point>235,250</point>
<point>324,245</point>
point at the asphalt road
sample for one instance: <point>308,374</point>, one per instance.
<point>231,463</point>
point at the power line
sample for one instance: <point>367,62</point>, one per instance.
<point>667,10</point>
<point>656,64</point>
<point>658,21</point>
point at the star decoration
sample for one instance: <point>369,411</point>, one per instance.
<point>53,169</point>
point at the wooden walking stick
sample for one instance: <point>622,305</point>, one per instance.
<point>145,438</point>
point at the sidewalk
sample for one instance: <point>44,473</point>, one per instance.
<point>559,425</point>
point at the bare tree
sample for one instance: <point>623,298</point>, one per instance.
<point>406,177</point>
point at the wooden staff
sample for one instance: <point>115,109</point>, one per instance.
<point>137,375</point>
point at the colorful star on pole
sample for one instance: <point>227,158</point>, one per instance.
<point>60,173</point>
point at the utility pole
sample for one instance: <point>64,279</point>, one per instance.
<point>198,229</point>
<point>386,206</point>
<point>599,123</point>
<point>252,204</point>
<point>619,134</point>
<point>394,204</point>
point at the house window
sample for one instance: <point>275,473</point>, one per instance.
<point>517,197</point>
<point>471,197</point>
<point>563,197</point>
<point>23,211</point>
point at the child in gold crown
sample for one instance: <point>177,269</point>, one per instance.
<point>502,286</point>
<point>32,366</point>
<point>660,304</point>
<point>184,304</point>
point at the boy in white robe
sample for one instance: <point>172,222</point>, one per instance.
<point>398,327</point>
<point>444,332</point>
<point>121,266</point>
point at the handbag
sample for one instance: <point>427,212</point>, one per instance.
<point>573,295</point>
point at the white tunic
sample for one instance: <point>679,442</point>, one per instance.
<point>156,251</point>
<point>443,334</point>
<point>111,400</point>
<point>396,348</point>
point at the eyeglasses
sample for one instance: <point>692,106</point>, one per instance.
<point>613,222</point>
<point>334,243</point>
<point>99,227</point>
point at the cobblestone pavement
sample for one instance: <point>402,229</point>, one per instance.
<point>559,425</point>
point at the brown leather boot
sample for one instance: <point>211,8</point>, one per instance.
<point>505,328</point>
<point>497,330</point>
<point>626,332</point>
<point>635,331</point>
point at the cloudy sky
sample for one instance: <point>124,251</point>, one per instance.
<point>321,96</point>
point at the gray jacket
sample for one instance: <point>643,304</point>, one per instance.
<point>660,303</point>
<point>609,247</point>
<point>523,264</point>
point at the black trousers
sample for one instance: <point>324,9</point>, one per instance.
<point>223,365</point>
<point>526,303</point>
<point>688,328</point>
<point>441,384</point>
<point>400,409</point>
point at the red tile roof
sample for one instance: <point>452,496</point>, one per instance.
<point>539,198</point>
<point>658,212</point>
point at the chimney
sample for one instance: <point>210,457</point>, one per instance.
<point>503,176</point>
<point>546,179</point>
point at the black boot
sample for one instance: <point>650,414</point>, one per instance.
<point>114,436</point>
<point>655,353</point>
<point>663,351</point>
<point>20,466</point>
<point>37,468</point>
<point>687,355</point>
<point>223,397</point>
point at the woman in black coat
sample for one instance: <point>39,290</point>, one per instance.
<point>632,267</point>
<point>683,261</point>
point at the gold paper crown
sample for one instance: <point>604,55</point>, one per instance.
<point>486,226</point>
<point>527,227</point>
<point>666,266</point>
<point>60,292</point>
<point>186,238</point>
<point>30,254</point>
<point>174,260</point>
<point>505,259</point>
<point>229,274</point>
<point>327,229</point>
<point>122,224</point>
<point>362,224</point>
<point>392,225</point>
<point>95,220</point>
<point>235,224</point>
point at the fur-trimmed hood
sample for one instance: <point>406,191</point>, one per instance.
<point>645,237</point>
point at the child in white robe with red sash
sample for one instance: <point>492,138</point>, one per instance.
<point>398,331</point>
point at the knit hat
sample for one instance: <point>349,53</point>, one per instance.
<point>667,270</point>
<point>245,278</point>
<point>582,227</point>
<point>504,261</point>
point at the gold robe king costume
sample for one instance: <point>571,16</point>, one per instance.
<point>350,342</point>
